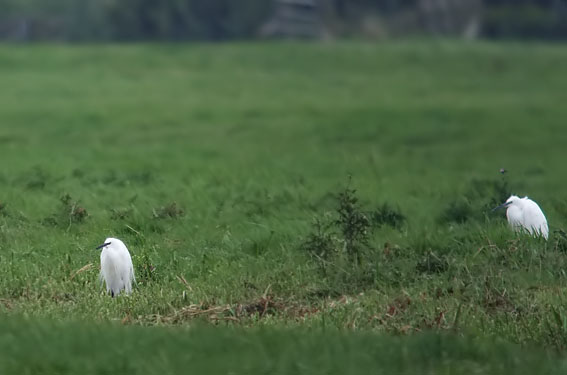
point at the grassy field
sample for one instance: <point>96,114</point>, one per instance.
<point>73,348</point>
<point>231,170</point>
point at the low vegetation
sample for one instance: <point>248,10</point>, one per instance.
<point>225,169</point>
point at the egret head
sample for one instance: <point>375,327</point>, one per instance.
<point>109,241</point>
<point>509,202</point>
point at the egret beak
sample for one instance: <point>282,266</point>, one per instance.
<point>103,245</point>
<point>505,204</point>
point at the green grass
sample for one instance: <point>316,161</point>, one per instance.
<point>107,349</point>
<point>253,142</point>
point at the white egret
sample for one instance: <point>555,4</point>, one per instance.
<point>525,215</point>
<point>116,268</point>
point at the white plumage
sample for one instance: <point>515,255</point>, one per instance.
<point>116,268</point>
<point>525,215</point>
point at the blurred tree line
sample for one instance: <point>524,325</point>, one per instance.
<point>102,20</point>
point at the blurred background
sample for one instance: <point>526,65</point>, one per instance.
<point>219,20</point>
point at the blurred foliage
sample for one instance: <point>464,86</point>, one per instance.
<point>87,20</point>
<point>534,19</point>
<point>185,19</point>
<point>132,19</point>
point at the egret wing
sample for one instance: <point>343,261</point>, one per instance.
<point>534,219</point>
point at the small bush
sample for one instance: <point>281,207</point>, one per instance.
<point>72,210</point>
<point>36,179</point>
<point>387,215</point>
<point>353,223</point>
<point>321,243</point>
<point>69,213</point>
<point>557,328</point>
<point>172,211</point>
<point>145,269</point>
<point>560,241</point>
<point>458,211</point>
<point>480,196</point>
<point>259,246</point>
<point>340,241</point>
<point>120,213</point>
<point>432,263</point>
<point>497,300</point>
<point>488,193</point>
